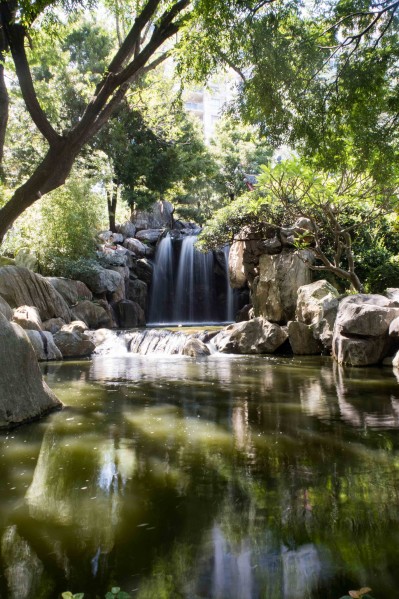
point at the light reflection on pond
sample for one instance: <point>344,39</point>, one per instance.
<point>225,477</point>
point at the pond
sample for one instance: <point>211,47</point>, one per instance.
<point>224,477</point>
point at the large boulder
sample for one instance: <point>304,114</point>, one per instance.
<point>144,270</point>
<point>101,280</point>
<point>358,351</point>
<point>237,274</point>
<point>5,309</point>
<point>160,216</point>
<point>194,348</point>
<point>363,319</point>
<point>317,305</point>
<point>28,317</point>
<point>95,316</point>
<point>127,229</point>
<point>361,331</point>
<point>257,336</point>
<point>275,290</point>
<point>22,287</point>
<point>149,235</point>
<point>110,237</point>
<point>71,290</point>
<point>137,292</point>
<point>73,344</point>
<point>24,395</point>
<point>129,314</point>
<point>135,246</point>
<point>44,346</point>
<point>302,340</point>
<point>53,325</point>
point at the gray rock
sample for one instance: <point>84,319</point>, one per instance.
<point>149,235</point>
<point>137,292</point>
<point>127,229</point>
<point>302,340</point>
<point>237,274</point>
<point>392,294</point>
<point>257,336</point>
<point>135,246</point>
<point>361,329</point>
<point>317,305</point>
<point>70,290</point>
<point>275,291</point>
<point>21,287</point>
<point>101,280</point>
<point>394,328</point>
<point>110,237</point>
<point>73,344</point>
<point>359,351</point>
<point>129,314</point>
<point>44,346</point>
<point>195,348</point>
<point>28,317</point>
<point>366,320</point>
<point>246,313</point>
<point>314,300</point>
<point>111,258</point>
<point>144,270</point>
<point>24,395</point>
<point>76,326</point>
<point>94,315</point>
<point>53,325</point>
<point>5,309</point>
<point>160,216</point>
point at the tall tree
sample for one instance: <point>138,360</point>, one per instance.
<point>146,45</point>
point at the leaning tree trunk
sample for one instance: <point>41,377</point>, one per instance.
<point>50,174</point>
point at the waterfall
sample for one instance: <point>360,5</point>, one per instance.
<point>189,286</point>
<point>162,282</point>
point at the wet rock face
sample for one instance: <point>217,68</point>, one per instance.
<point>24,395</point>
<point>195,348</point>
<point>73,343</point>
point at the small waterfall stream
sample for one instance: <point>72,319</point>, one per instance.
<point>189,286</point>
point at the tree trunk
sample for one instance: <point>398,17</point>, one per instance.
<point>4,103</point>
<point>112,200</point>
<point>50,174</point>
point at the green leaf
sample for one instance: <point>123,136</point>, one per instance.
<point>115,590</point>
<point>123,595</point>
<point>78,596</point>
<point>67,595</point>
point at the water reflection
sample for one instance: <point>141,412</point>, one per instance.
<point>224,477</point>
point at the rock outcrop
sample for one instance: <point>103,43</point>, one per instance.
<point>317,305</point>
<point>73,344</point>
<point>194,348</point>
<point>72,291</point>
<point>94,315</point>
<point>28,317</point>
<point>302,340</point>
<point>44,346</point>
<point>24,395</point>
<point>361,329</point>
<point>275,290</point>
<point>22,287</point>
<point>257,336</point>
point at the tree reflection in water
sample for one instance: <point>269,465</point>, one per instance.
<point>224,477</point>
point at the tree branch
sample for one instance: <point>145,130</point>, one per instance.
<point>15,35</point>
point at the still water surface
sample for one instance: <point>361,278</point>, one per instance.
<point>226,477</point>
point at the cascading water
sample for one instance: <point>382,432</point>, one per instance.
<point>189,286</point>
<point>162,292</point>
